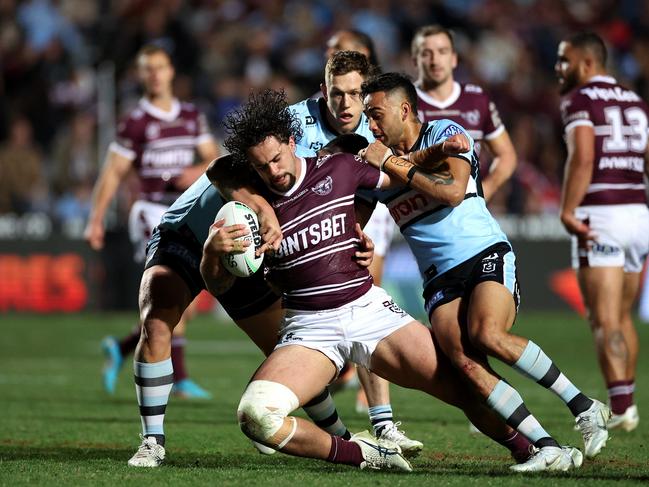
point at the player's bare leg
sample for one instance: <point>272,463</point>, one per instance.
<point>375,389</point>
<point>602,290</point>
<point>422,368</point>
<point>609,294</point>
<point>473,367</point>
<point>262,329</point>
<point>164,296</point>
<point>490,316</point>
<point>117,350</point>
<point>276,390</point>
<point>629,295</point>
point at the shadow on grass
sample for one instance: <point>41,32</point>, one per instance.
<point>469,467</point>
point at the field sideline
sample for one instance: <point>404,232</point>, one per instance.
<point>58,427</point>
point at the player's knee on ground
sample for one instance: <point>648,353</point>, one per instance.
<point>263,413</point>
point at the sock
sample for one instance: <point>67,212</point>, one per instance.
<point>322,410</point>
<point>380,417</point>
<point>129,342</point>
<point>534,363</point>
<point>153,384</point>
<point>620,395</point>
<point>518,445</point>
<point>178,358</point>
<point>508,403</point>
<point>345,452</point>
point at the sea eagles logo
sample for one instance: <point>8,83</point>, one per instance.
<point>472,117</point>
<point>152,131</point>
<point>323,187</point>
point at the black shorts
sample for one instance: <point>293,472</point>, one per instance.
<point>180,251</point>
<point>496,263</point>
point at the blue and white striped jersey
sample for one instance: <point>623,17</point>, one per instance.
<point>441,236</point>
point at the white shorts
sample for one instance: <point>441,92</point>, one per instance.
<point>142,219</point>
<point>380,228</point>
<point>622,237</point>
<point>348,333</point>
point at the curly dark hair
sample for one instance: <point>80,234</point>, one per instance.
<point>265,114</point>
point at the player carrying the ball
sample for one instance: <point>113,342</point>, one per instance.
<point>333,313</point>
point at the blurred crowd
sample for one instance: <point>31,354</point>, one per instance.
<point>53,51</point>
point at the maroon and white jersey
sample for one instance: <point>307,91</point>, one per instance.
<point>161,145</point>
<point>315,266</point>
<point>469,106</point>
<point>619,119</point>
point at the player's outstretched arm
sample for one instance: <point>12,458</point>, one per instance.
<point>112,174</point>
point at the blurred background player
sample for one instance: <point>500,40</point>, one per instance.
<point>158,141</point>
<point>440,96</point>
<point>604,207</point>
<point>340,111</point>
<point>352,40</point>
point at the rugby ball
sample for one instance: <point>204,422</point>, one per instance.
<point>246,263</point>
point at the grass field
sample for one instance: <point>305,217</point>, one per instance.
<point>58,427</point>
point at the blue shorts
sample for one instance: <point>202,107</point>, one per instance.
<point>496,263</point>
<point>181,252</point>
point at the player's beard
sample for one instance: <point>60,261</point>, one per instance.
<point>570,81</point>
<point>283,188</point>
<point>432,82</point>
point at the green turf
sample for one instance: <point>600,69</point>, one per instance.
<point>58,427</point>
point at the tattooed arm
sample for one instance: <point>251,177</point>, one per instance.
<point>445,181</point>
<point>432,157</point>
